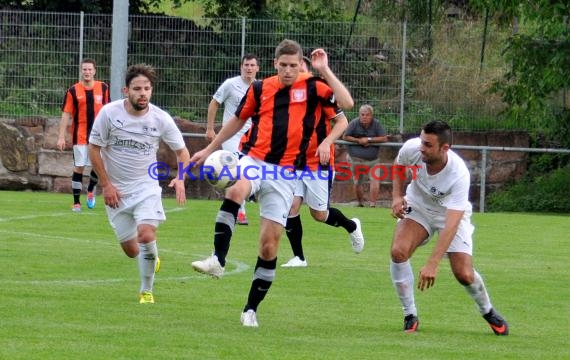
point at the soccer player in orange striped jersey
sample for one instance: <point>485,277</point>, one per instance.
<point>283,109</point>
<point>314,185</point>
<point>81,104</point>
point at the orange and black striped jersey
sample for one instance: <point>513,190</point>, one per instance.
<point>284,118</point>
<point>83,104</point>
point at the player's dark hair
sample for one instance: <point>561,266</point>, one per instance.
<point>140,69</point>
<point>89,61</point>
<point>249,57</point>
<point>288,47</point>
<point>441,129</point>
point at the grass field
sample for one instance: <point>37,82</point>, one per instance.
<point>68,292</point>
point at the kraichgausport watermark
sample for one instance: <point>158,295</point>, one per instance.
<point>342,171</point>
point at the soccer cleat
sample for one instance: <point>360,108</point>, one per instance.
<point>411,323</point>
<point>157,265</point>
<point>76,208</point>
<point>209,266</point>
<point>249,319</point>
<point>295,262</point>
<point>90,200</point>
<point>356,237</point>
<point>146,298</point>
<point>497,323</point>
<point>242,219</point>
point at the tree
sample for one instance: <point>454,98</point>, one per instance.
<point>539,57</point>
<point>88,6</point>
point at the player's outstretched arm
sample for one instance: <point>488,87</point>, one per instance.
<point>319,61</point>
<point>232,126</point>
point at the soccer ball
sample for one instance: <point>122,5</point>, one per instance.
<point>220,169</point>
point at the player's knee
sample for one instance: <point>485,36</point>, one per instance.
<point>464,276</point>
<point>320,216</point>
<point>399,254</point>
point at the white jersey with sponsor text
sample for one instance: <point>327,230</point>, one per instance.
<point>448,189</point>
<point>230,94</point>
<point>129,144</point>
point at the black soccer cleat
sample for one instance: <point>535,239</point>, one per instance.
<point>411,323</point>
<point>497,323</point>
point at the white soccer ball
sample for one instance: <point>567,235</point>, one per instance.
<point>221,169</point>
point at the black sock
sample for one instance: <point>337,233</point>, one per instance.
<point>93,180</point>
<point>260,287</point>
<point>294,231</point>
<point>336,218</point>
<point>223,229</point>
<point>76,186</point>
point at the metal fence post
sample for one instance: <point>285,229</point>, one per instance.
<point>403,76</point>
<point>483,175</point>
<point>81,29</point>
<point>242,37</point>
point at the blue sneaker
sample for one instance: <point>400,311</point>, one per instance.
<point>90,200</point>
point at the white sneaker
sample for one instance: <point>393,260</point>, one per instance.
<point>209,266</point>
<point>249,319</point>
<point>357,238</point>
<point>295,262</point>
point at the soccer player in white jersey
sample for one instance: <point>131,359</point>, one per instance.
<point>123,146</point>
<point>230,94</point>
<point>436,200</point>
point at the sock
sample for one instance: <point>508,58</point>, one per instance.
<point>336,218</point>
<point>76,186</point>
<point>147,262</point>
<point>224,228</point>
<point>403,280</point>
<point>478,292</point>
<point>93,180</point>
<point>242,208</point>
<point>262,280</point>
<point>294,231</point>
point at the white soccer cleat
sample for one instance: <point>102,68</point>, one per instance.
<point>209,266</point>
<point>249,319</point>
<point>295,262</point>
<point>357,238</point>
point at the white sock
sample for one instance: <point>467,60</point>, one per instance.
<point>403,280</point>
<point>478,292</point>
<point>242,207</point>
<point>147,262</point>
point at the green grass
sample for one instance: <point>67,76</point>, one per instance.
<point>69,292</point>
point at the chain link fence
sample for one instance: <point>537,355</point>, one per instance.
<point>409,73</point>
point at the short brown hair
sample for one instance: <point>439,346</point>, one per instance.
<point>288,47</point>
<point>140,69</point>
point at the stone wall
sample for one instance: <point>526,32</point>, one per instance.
<point>29,160</point>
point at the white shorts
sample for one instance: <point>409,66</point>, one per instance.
<point>273,186</point>
<point>81,155</point>
<point>143,207</point>
<point>463,240</point>
<point>315,188</point>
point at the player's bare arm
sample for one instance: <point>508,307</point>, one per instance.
<point>228,130</point>
<point>182,157</point>
<point>324,149</point>
<point>428,272</point>
<point>110,193</point>
<point>319,62</point>
<point>65,118</point>
<point>212,110</point>
<point>399,204</point>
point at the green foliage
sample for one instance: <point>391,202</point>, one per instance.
<point>545,193</point>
